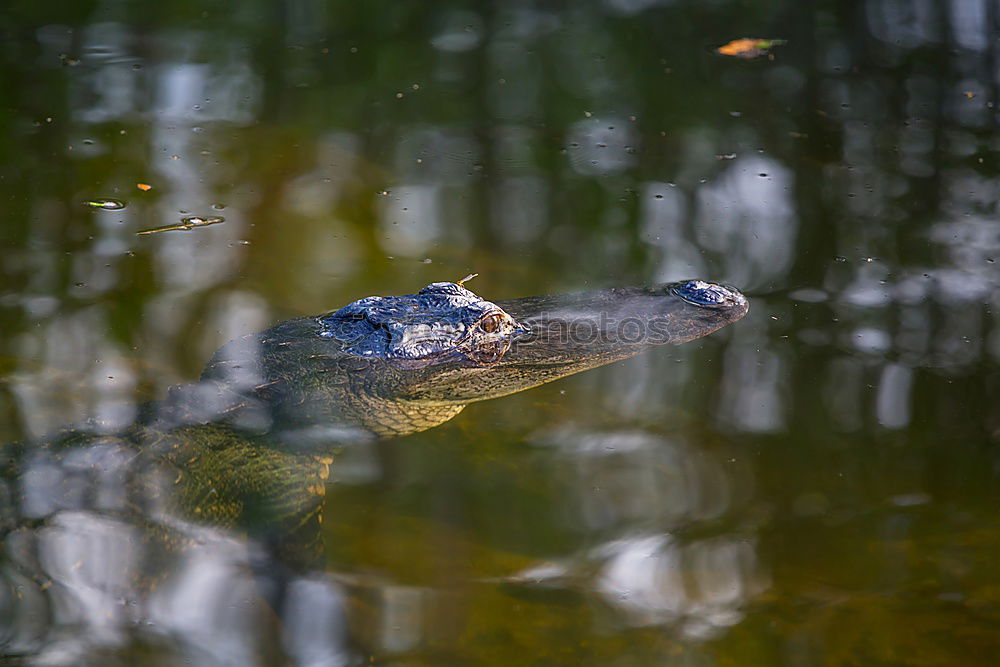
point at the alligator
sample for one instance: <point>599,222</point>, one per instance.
<point>248,447</point>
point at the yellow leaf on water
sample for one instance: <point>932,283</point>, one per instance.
<point>748,47</point>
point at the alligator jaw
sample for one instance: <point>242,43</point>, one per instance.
<point>570,333</point>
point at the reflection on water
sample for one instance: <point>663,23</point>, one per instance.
<point>813,486</point>
<point>635,482</point>
<point>89,573</point>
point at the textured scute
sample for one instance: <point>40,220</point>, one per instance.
<point>436,319</point>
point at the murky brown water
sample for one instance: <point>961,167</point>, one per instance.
<point>815,485</point>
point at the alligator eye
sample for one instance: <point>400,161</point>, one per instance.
<point>491,323</point>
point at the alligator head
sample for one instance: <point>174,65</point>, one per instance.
<point>396,365</point>
<point>442,320</point>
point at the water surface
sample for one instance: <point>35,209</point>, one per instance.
<point>817,484</point>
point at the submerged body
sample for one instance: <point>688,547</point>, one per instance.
<point>249,446</point>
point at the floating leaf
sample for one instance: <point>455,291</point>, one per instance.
<point>106,204</point>
<point>190,222</point>
<point>145,187</point>
<point>748,47</point>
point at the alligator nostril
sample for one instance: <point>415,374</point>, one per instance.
<point>702,293</point>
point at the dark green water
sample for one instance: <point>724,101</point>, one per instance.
<point>818,484</point>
